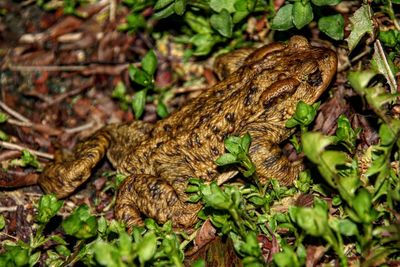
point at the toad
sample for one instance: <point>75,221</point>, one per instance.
<point>258,93</point>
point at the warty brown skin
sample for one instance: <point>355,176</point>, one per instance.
<point>258,93</point>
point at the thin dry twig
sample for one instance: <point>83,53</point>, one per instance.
<point>90,68</point>
<point>14,113</point>
<point>8,209</point>
<point>113,8</point>
<point>366,51</point>
<point>390,77</point>
<point>46,68</point>
<point>187,89</point>
<point>9,154</point>
<point>80,128</point>
<point>12,146</point>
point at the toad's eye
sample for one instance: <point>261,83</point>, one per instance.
<point>314,78</point>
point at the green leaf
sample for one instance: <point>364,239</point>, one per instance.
<point>135,21</point>
<point>147,247</point>
<point>233,144</point>
<point>347,227</point>
<point>27,159</point>
<point>390,38</point>
<point>219,5</point>
<point>286,258</point>
<point>80,223</point>
<point>326,2</point>
<point>283,19</point>
<point>2,222</point>
<point>139,76</point>
<point>243,8</point>
<point>362,204</point>
<point>222,22</point>
<point>3,136</point>
<point>345,134</point>
<point>106,254</point>
<point>34,258</point>
<point>162,109</point>
<point>102,225</point>
<point>215,197</point>
<point>333,26</point>
<point>313,220</point>
<point>15,256</point>
<point>302,14</point>
<point>3,117</point>
<point>139,102</point>
<point>245,142</point>
<point>119,91</point>
<point>386,134</point>
<point>166,12</point>
<point>361,24</point>
<point>198,23</point>
<point>199,263</point>
<point>314,144</point>
<point>203,43</point>
<point>48,207</point>
<point>180,7</point>
<point>304,114</point>
<point>226,159</point>
<point>359,80</point>
<point>160,4</point>
<point>149,62</point>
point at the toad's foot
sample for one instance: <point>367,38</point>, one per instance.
<point>155,198</point>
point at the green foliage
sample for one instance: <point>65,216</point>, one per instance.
<point>2,222</point>
<point>143,78</point>
<point>365,195</point>
<point>80,223</point>
<point>333,26</point>
<point>14,256</point>
<point>27,159</point>
<point>390,38</point>
<point>345,135</point>
<point>48,208</point>
<point>148,245</point>
<point>3,119</point>
<point>303,116</point>
<point>361,22</point>
<point>300,14</point>
<point>69,6</point>
<point>210,22</point>
<point>238,148</point>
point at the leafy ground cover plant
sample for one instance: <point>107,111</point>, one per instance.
<point>342,211</point>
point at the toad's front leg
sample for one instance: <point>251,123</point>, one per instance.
<point>143,194</point>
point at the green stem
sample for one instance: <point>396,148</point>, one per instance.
<point>239,222</point>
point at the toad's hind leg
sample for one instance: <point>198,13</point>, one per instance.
<point>143,194</point>
<point>270,163</point>
<point>70,170</point>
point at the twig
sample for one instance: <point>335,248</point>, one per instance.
<point>46,68</point>
<point>389,76</point>
<point>87,68</point>
<point>8,145</point>
<point>113,6</point>
<point>182,90</point>
<point>366,51</point>
<point>14,113</point>
<point>60,97</point>
<point>9,154</point>
<point>79,128</point>
<point>6,209</point>
<point>19,123</point>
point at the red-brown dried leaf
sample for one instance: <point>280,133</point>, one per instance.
<point>314,254</point>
